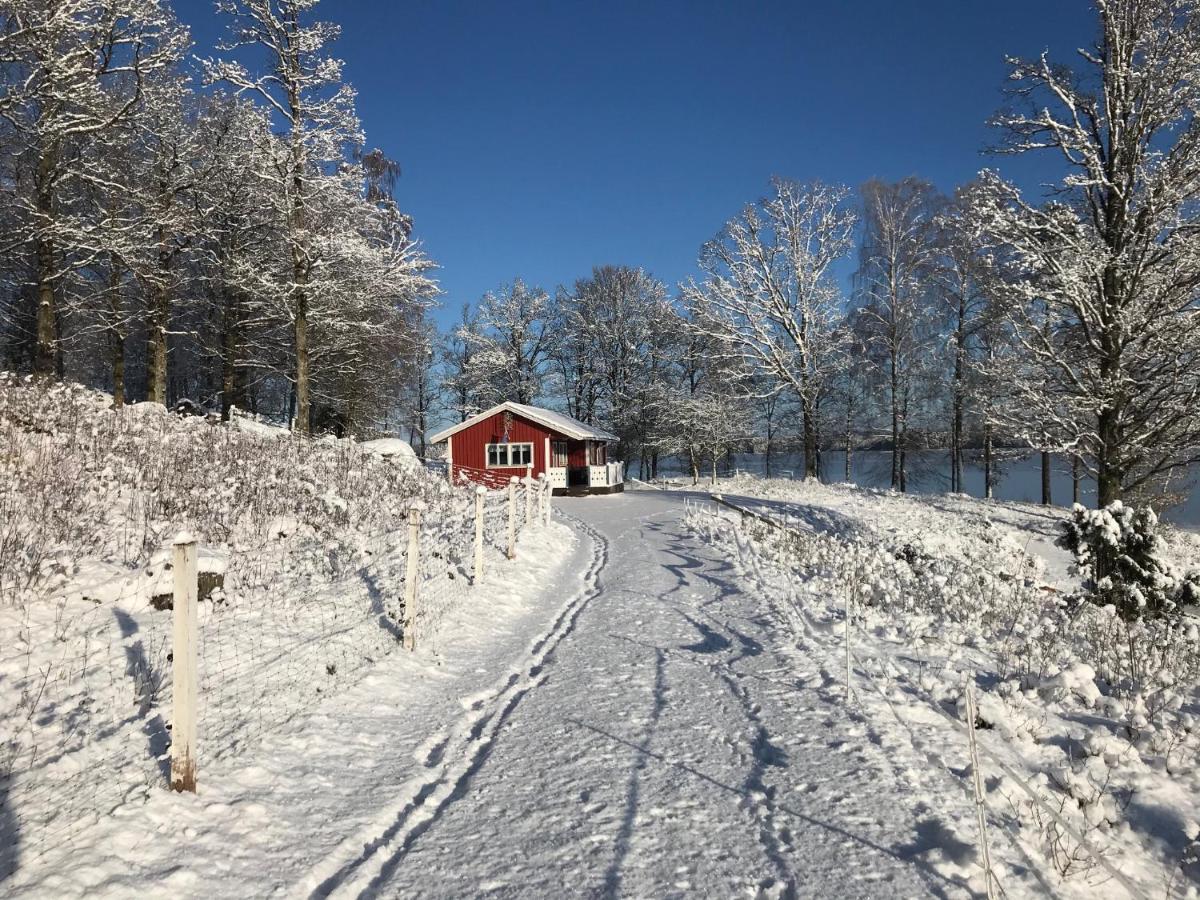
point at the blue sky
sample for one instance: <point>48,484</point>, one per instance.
<point>540,139</point>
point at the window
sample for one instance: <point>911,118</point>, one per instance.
<point>558,454</point>
<point>509,455</point>
<point>597,454</point>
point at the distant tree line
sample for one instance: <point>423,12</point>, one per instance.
<point>217,230</point>
<point>1068,325</point>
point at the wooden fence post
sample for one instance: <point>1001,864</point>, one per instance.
<point>977,787</point>
<point>512,518</point>
<point>542,480</point>
<point>184,691</point>
<point>411,573</point>
<point>528,498</point>
<point>549,499</point>
<point>479,498</point>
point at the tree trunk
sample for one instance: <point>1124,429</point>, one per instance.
<point>714,468</point>
<point>956,429</point>
<point>1076,477</point>
<point>116,337</point>
<point>1108,479</point>
<point>989,478</point>
<point>230,354</point>
<point>302,420</point>
<point>849,440</point>
<point>46,349</point>
<point>810,438</point>
<point>156,346</point>
<point>897,464</point>
<point>1047,500</point>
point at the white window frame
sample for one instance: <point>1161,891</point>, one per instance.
<point>504,451</point>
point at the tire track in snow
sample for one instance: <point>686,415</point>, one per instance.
<point>362,863</point>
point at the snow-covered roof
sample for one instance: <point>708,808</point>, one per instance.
<point>555,421</point>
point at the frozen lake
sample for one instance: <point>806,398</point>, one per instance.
<point>929,473</point>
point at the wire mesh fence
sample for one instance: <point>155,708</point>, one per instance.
<point>86,684</point>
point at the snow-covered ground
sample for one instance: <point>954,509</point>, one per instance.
<point>652,701</point>
<point>288,813</point>
<point>303,561</point>
<point>1097,719</point>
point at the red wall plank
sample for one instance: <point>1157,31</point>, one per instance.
<point>470,444</point>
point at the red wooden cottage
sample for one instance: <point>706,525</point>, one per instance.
<point>515,439</point>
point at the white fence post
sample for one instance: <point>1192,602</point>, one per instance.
<point>184,656</point>
<point>479,498</point>
<point>411,574</point>
<point>512,518</point>
<point>977,785</point>
<point>528,500</point>
<point>849,620</point>
<point>542,484</point>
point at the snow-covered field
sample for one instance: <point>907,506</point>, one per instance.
<point>1096,718</point>
<point>651,700</point>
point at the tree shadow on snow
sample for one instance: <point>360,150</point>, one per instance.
<point>933,834</point>
<point>934,878</point>
<point>612,875</point>
<point>10,843</point>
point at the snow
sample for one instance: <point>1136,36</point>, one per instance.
<point>562,423</point>
<point>651,700</point>
<point>555,421</point>
<point>254,425</point>
<point>1110,755</point>
<point>393,449</point>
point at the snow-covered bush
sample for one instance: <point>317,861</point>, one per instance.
<point>1120,558</point>
<point>1091,709</point>
<point>80,481</point>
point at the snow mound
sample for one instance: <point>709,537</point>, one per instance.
<point>394,449</point>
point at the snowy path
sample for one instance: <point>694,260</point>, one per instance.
<point>670,748</point>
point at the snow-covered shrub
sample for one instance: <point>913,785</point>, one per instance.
<point>80,481</point>
<point>1089,707</point>
<point>1120,558</point>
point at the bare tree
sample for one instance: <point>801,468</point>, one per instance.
<point>962,274</point>
<point>510,344</point>
<point>768,297</point>
<point>302,87</point>
<point>898,259</point>
<point>1107,311</point>
<point>76,68</point>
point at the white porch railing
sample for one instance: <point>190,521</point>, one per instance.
<point>597,476</point>
<point>606,475</point>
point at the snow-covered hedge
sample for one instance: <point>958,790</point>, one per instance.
<point>82,483</point>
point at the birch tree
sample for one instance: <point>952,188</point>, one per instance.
<point>768,296</point>
<point>1106,310</point>
<point>898,258</point>
<point>962,273</point>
